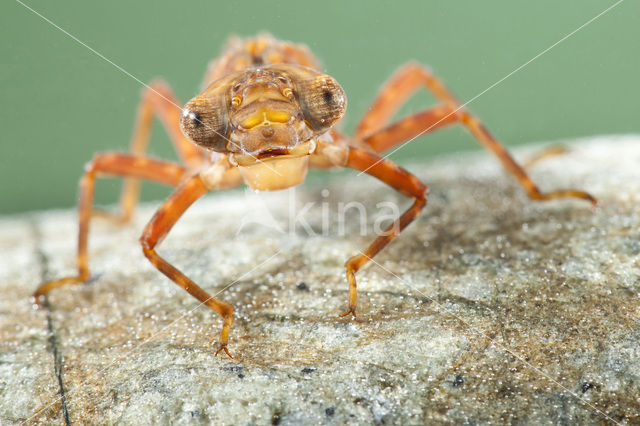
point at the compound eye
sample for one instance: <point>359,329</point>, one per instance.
<point>322,100</point>
<point>205,123</point>
<point>205,118</point>
<point>191,119</point>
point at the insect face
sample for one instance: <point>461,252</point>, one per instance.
<point>269,114</point>
<point>266,119</point>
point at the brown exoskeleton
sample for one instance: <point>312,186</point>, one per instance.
<point>267,115</point>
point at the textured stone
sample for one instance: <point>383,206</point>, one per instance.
<point>489,308</point>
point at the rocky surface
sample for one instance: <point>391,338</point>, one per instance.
<point>490,308</point>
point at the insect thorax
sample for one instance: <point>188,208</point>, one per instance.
<point>240,53</point>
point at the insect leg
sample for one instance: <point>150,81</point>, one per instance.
<point>110,164</point>
<point>394,176</point>
<point>395,92</point>
<point>159,226</point>
<point>489,142</point>
<point>548,152</point>
<point>400,87</point>
<point>418,123</point>
<point>412,126</point>
<point>157,99</point>
<point>451,111</point>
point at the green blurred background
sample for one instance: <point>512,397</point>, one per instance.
<point>61,102</point>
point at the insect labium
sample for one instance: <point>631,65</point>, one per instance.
<point>266,116</point>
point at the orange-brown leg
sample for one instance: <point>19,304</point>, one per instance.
<point>157,99</point>
<point>160,225</point>
<point>111,164</point>
<point>548,152</point>
<point>451,111</point>
<point>395,92</point>
<point>403,182</point>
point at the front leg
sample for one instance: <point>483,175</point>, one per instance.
<point>391,174</point>
<point>162,222</point>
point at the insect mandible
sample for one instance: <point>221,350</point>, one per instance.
<point>266,116</point>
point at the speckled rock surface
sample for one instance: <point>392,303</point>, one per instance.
<point>490,308</point>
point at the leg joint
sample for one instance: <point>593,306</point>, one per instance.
<point>147,247</point>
